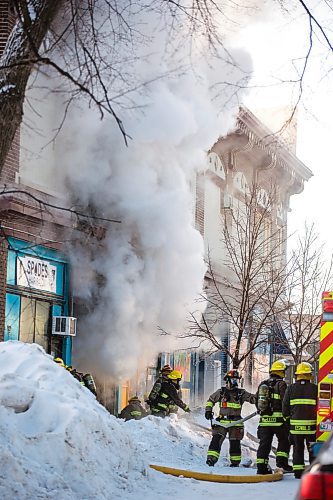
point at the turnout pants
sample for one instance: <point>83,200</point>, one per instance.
<point>266,434</point>
<point>219,435</point>
<point>298,441</point>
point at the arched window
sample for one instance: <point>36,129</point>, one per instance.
<point>279,210</point>
<point>215,164</point>
<point>240,182</point>
<point>262,198</point>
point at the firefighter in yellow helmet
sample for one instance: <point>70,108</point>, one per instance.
<point>60,362</point>
<point>270,395</point>
<point>85,379</point>
<point>300,408</point>
<point>230,400</point>
<point>167,395</point>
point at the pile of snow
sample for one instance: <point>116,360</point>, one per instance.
<point>57,441</point>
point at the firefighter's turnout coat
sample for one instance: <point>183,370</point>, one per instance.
<point>277,388</point>
<point>272,423</point>
<point>134,410</point>
<point>299,405</point>
<point>299,408</point>
<point>166,397</point>
<point>230,403</point>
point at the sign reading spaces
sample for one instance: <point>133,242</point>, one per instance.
<point>36,273</point>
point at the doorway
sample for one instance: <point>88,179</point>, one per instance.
<point>34,322</point>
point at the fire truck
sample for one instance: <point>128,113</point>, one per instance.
<point>325,372</point>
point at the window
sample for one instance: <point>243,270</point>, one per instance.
<point>34,321</point>
<point>215,164</point>
<point>240,183</point>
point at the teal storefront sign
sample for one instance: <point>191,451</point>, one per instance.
<point>37,277</point>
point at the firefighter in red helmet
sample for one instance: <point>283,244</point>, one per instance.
<point>230,399</point>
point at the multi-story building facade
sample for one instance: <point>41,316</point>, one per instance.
<point>247,158</point>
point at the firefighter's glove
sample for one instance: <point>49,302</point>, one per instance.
<point>208,415</point>
<point>286,421</point>
<point>187,410</point>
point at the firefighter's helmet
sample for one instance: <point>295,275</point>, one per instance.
<point>175,375</point>
<point>59,361</point>
<point>166,369</point>
<point>232,374</point>
<point>304,368</point>
<point>278,366</point>
<point>133,399</point>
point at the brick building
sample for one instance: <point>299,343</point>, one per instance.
<point>34,282</point>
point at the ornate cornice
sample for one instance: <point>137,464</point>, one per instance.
<point>265,140</point>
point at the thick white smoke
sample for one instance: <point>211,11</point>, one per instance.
<point>148,271</point>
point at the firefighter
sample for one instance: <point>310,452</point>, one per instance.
<point>272,423</point>
<point>85,379</point>
<point>167,395</point>
<point>300,408</point>
<point>165,370</point>
<point>230,400</point>
<point>134,410</point>
<point>60,362</point>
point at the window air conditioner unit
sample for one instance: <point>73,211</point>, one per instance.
<point>64,325</point>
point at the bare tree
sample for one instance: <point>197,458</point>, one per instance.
<point>310,273</point>
<point>90,47</point>
<point>83,43</point>
<point>245,292</point>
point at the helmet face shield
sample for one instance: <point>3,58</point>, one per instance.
<point>232,382</point>
<point>232,378</point>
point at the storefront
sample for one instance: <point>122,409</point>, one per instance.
<point>36,290</point>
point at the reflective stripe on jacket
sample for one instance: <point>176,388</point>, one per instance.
<point>278,388</point>
<point>132,411</point>
<point>167,396</point>
<point>300,406</point>
<point>230,402</point>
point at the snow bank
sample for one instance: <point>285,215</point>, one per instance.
<point>53,433</point>
<point>57,441</point>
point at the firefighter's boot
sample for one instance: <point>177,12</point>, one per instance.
<point>283,464</point>
<point>264,469</point>
<point>211,461</point>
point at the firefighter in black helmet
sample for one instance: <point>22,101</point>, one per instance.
<point>165,371</point>
<point>300,409</point>
<point>230,400</point>
<point>134,410</point>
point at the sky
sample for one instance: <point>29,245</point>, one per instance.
<point>57,442</point>
<point>277,44</point>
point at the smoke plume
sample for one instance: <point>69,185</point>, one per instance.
<point>147,271</point>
